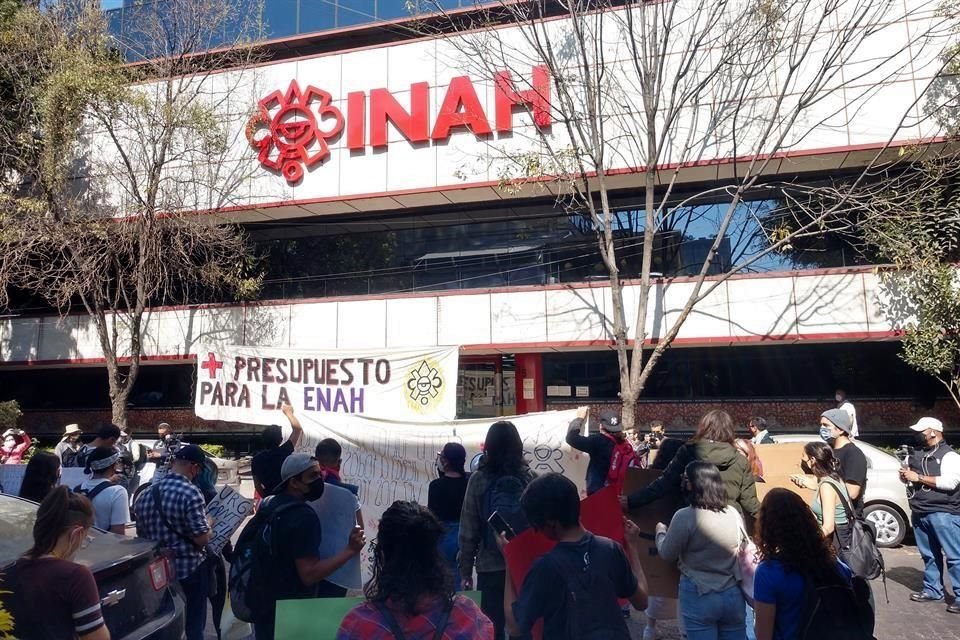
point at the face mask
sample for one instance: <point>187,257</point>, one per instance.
<point>920,439</point>
<point>77,537</point>
<point>315,490</point>
<point>839,397</point>
<point>826,434</point>
<point>805,468</point>
<point>9,443</point>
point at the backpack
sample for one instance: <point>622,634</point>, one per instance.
<point>503,496</point>
<point>622,458</point>
<point>578,586</point>
<point>836,611</point>
<point>92,493</point>
<point>859,548</point>
<point>69,459</point>
<point>250,583</point>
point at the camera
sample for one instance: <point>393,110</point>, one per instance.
<point>903,454</point>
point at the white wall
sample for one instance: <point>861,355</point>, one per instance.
<point>790,307</point>
<point>879,83</point>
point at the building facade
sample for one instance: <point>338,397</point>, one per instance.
<point>390,225</point>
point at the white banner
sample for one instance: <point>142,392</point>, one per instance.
<point>249,384</point>
<point>11,477</point>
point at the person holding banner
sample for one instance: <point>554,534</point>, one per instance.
<point>445,499</point>
<point>411,594</point>
<point>266,465</point>
<point>496,486</point>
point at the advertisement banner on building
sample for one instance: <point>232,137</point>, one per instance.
<point>250,384</point>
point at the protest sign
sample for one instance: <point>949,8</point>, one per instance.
<point>338,514</point>
<point>11,477</point>
<point>663,578</point>
<point>228,511</point>
<point>250,384</point>
<point>320,618</point>
<point>780,461</point>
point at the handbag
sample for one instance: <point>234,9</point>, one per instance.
<point>748,557</point>
<point>859,551</point>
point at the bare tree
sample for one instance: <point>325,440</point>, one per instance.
<point>113,147</point>
<point>693,104</point>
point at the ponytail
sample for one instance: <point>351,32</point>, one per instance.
<point>59,511</point>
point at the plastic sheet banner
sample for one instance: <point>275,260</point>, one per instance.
<point>391,460</point>
<point>250,384</point>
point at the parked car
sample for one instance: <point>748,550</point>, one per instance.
<point>137,593</point>
<point>885,501</point>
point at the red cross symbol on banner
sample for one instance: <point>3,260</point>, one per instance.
<point>211,364</point>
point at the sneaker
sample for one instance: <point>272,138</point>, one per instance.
<point>923,596</point>
<point>954,608</point>
<point>649,633</point>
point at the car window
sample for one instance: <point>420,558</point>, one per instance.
<point>16,527</point>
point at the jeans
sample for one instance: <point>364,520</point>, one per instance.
<point>751,622</point>
<point>712,616</point>
<point>196,588</point>
<point>449,548</point>
<point>938,540</point>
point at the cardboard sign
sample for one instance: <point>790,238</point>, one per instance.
<point>228,510</point>
<point>780,461</point>
<point>337,510</point>
<point>249,384</point>
<point>663,578</point>
<point>320,618</point>
<point>11,477</point>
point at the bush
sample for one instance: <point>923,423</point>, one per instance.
<point>9,414</point>
<point>215,450</point>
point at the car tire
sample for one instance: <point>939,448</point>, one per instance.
<point>888,522</point>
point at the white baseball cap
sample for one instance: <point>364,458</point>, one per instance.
<point>928,423</point>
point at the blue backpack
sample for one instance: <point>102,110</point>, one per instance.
<point>503,496</point>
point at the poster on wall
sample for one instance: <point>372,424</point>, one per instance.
<point>250,384</point>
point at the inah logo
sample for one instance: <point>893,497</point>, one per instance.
<point>424,383</point>
<point>286,129</point>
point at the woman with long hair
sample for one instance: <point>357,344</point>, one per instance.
<point>50,595</point>
<point>497,485</point>
<point>827,505</point>
<point>713,442</point>
<point>41,476</point>
<point>794,552</point>
<point>445,499</point>
<point>704,539</point>
<point>748,451</point>
<point>410,593</point>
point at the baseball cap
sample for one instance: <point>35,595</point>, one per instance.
<point>610,420</point>
<point>928,423</point>
<point>840,419</point>
<point>190,453</point>
<point>294,465</point>
<point>454,452</point>
<point>71,429</point>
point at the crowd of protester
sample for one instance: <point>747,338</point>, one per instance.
<point>748,569</point>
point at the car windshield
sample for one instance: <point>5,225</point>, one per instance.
<point>16,527</point>
<point>103,549</point>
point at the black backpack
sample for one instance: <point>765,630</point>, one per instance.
<point>251,585</point>
<point>836,610</point>
<point>503,496</point>
<point>858,548</point>
<point>93,493</point>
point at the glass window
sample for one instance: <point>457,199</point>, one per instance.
<point>353,12</point>
<point>280,18</point>
<point>317,15</point>
<point>392,9</point>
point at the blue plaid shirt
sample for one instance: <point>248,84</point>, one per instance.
<point>186,511</point>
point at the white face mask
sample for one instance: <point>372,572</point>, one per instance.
<point>9,443</point>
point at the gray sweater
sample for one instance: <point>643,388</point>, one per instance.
<point>706,544</point>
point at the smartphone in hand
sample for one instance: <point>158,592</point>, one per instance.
<point>501,526</point>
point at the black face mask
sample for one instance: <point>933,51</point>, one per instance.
<point>805,468</point>
<point>921,441</point>
<point>315,490</point>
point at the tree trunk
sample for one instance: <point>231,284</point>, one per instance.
<point>118,411</point>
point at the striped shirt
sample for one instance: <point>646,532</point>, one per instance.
<point>58,600</point>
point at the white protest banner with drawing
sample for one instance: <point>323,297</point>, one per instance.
<point>391,460</point>
<point>11,477</point>
<point>228,511</point>
<point>249,384</point>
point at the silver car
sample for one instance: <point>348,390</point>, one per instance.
<point>885,502</point>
